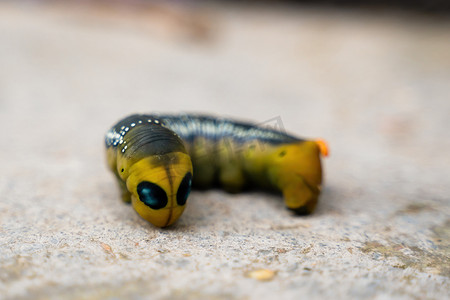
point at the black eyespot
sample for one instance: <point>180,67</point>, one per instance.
<point>122,170</point>
<point>282,153</point>
<point>184,189</point>
<point>152,195</point>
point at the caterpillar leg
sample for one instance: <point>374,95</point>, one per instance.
<point>296,170</point>
<point>231,178</point>
<point>202,152</point>
<point>300,196</point>
<point>231,175</point>
<point>126,195</point>
<point>111,157</point>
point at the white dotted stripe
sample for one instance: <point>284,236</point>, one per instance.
<point>114,138</point>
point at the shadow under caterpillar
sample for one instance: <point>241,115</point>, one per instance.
<point>157,158</point>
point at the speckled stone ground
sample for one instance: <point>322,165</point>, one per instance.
<point>375,85</point>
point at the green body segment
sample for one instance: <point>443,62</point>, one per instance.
<point>154,160</point>
<point>293,168</point>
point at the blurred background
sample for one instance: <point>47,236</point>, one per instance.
<point>370,77</point>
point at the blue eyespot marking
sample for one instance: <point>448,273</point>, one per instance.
<point>152,195</point>
<point>184,189</point>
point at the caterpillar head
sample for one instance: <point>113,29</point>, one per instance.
<point>159,186</point>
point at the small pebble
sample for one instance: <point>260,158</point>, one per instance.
<point>262,274</point>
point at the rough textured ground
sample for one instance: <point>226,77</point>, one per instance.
<point>375,85</point>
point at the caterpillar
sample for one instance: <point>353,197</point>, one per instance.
<point>157,158</point>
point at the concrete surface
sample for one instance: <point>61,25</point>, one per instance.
<point>375,85</point>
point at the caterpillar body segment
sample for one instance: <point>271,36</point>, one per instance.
<point>156,159</point>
